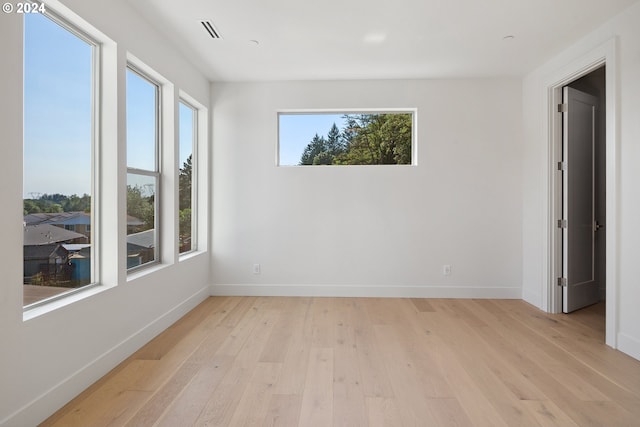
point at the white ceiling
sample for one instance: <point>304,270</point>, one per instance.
<point>371,39</point>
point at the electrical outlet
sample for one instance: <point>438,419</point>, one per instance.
<point>256,268</point>
<point>446,270</point>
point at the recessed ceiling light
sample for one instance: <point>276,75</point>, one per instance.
<point>374,38</point>
<point>254,42</point>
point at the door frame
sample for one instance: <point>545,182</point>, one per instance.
<point>604,54</point>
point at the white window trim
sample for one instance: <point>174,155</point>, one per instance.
<point>86,32</point>
<point>195,142</point>
<point>201,178</point>
<point>142,71</point>
<point>414,130</point>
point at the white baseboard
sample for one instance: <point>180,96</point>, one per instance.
<point>368,291</point>
<point>53,399</point>
<point>629,345</point>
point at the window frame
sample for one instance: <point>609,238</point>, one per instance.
<point>194,173</point>
<point>413,111</point>
<point>133,67</point>
<point>96,139</point>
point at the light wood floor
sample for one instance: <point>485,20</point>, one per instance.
<point>368,362</point>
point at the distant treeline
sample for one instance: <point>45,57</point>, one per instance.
<point>55,203</point>
<point>365,139</point>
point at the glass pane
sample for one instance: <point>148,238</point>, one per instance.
<point>141,209</point>
<point>345,139</point>
<point>142,122</point>
<point>187,126</point>
<point>57,182</point>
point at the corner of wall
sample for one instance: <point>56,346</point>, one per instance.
<point>53,399</point>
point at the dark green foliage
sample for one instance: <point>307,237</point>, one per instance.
<point>55,203</point>
<point>184,194</point>
<point>185,180</point>
<point>366,139</point>
<point>141,206</point>
<point>311,151</point>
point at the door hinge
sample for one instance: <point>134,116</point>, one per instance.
<point>562,281</point>
<point>563,108</point>
<point>561,166</point>
<point>562,223</point>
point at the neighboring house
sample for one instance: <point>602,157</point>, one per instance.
<point>44,234</point>
<point>80,258</point>
<point>80,222</point>
<point>46,264</point>
<point>140,248</point>
<point>45,255</point>
<point>134,224</point>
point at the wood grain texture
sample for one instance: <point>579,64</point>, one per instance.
<point>271,361</point>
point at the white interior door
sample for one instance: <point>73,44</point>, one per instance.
<point>578,238</point>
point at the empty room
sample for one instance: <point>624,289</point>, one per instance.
<point>355,213</point>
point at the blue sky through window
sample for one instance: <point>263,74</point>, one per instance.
<point>297,130</point>
<point>186,115</point>
<point>141,122</point>
<point>57,109</point>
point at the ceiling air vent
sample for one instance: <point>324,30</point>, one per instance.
<point>211,29</point>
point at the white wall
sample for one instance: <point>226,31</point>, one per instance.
<point>371,230</point>
<point>625,32</point>
<point>46,360</point>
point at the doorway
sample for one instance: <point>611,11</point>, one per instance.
<point>583,174</point>
<point>569,71</point>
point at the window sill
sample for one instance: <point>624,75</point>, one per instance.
<point>191,254</point>
<point>144,271</point>
<point>63,301</point>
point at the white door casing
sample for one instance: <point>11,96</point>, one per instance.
<point>570,69</point>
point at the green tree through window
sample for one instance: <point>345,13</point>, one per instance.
<point>353,139</point>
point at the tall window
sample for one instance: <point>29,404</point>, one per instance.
<point>186,190</point>
<point>351,138</point>
<point>143,168</point>
<point>58,187</point>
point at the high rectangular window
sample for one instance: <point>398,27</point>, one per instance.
<point>186,191</point>
<point>346,138</point>
<point>60,109</point>
<point>143,168</point>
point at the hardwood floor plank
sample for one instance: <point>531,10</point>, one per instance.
<point>468,392</point>
<point>189,404</point>
<point>151,411</point>
<point>448,412</point>
<point>283,411</point>
<point>317,399</point>
<point>167,341</point>
<point>588,384</point>
<point>349,408</point>
<point>404,374</point>
<point>275,349</point>
<point>480,361</point>
<point>422,305</point>
<point>253,406</point>
<point>224,399</point>
<point>367,361</point>
<point>296,358</point>
<point>584,344</point>
<point>554,371</point>
<point>382,412</point>
<point>375,379</point>
<point>244,343</point>
<point>548,414</point>
<point>109,397</point>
